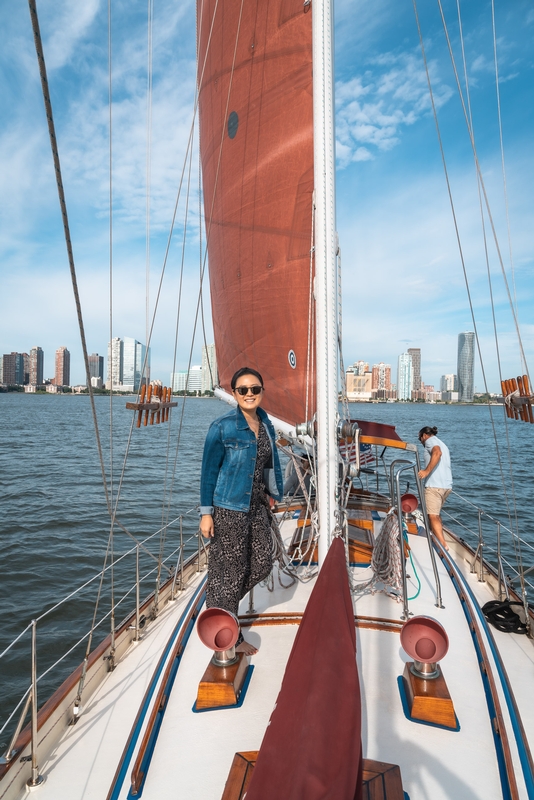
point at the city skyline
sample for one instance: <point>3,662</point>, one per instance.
<point>395,226</point>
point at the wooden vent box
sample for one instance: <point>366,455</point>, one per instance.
<point>381,781</point>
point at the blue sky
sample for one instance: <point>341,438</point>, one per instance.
<point>403,284</point>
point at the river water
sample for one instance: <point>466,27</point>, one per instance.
<point>55,526</point>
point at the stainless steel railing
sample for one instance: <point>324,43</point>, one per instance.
<point>29,698</point>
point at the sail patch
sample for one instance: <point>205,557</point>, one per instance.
<point>233,124</point>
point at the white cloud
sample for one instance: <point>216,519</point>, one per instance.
<point>373,109</point>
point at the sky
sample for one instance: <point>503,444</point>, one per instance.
<point>403,278</point>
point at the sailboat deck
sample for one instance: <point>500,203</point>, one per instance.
<point>193,751</point>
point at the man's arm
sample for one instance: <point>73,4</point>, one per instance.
<point>435,455</point>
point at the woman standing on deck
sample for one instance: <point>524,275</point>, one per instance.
<point>239,467</point>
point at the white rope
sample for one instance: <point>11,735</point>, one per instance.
<point>386,561</point>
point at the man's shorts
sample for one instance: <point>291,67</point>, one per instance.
<point>435,499</point>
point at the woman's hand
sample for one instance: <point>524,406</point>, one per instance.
<point>206,526</point>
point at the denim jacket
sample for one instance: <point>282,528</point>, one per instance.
<point>229,460</point>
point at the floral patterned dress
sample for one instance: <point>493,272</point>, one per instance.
<point>240,552</point>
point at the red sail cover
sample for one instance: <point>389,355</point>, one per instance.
<point>312,746</point>
<point>256,143</point>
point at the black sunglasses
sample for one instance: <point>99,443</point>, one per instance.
<point>243,390</point>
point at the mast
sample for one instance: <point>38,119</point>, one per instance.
<point>326,294</point>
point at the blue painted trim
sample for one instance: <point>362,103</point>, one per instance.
<point>522,749</point>
<point>239,703</point>
<point>406,709</point>
<point>505,785</point>
<point>134,736</point>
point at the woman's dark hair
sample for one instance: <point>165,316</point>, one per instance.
<point>428,431</point>
<point>245,371</point>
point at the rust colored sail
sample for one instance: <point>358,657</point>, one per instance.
<point>255,106</point>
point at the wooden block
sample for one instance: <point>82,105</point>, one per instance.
<point>429,700</point>
<point>381,781</point>
<point>221,686</point>
<point>360,547</point>
<point>240,775</point>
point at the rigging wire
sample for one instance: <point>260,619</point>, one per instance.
<point>150,14</point>
<point>110,548</point>
<point>515,540</point>
<point>453,211</point>
<point>482,183</point>
<point>490,216</point>
<point>501,141</point>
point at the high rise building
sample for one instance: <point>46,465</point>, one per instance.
<point>96,366</point>
<point>134,368</point>
<point>415,353</point>
<point>115,362</point>
<point>62,374</point>
<point>381,377</point>
<point>466,366</point>
<point>194,380</point>
<point>13,369</point>
<point>36,366</point>
<point>405,377</point>
<point>359,368</point>
<point>179,381</point>
<point>449,383</point>
<point>210,377</point>
<point>26,373</point>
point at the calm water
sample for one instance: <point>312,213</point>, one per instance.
<point>55,527</point>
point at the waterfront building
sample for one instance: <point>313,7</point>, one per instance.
<point>134,369</point>
<point>381,377</point>
<point>96,382</point>
<point>13,369</point>
<point>194,381</point>
<point>359,386</point>
<point>187,381</point>
<point>179,381</point>
<point>359,368</point>
<point>210,377</point>
<point>449,383</point>
<point>115,360</point>
<point>96,367</point>
<point>26,372</point>
<point>404,377</point>
<point>36,366</point>
<point>466,366</point>
<point>62,371</point>
<point>417,383</point>
<point>449,397</point>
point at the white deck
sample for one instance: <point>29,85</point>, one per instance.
<point>194,751</point>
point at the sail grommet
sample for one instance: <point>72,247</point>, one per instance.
<point>292,358</point>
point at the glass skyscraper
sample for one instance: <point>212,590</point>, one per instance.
<point>466,366</point>
<point>126,360</point>
<point>405,377</point>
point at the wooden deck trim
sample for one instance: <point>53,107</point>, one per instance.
<point>485,669</point>
<point>398,444</point>
<point>159,702</point>
<point>293,618</point>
